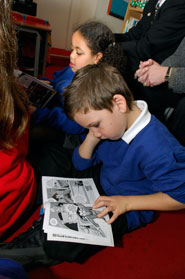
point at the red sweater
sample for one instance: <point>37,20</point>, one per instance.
<point>17,184</point>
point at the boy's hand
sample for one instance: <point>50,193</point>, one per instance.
<point>115,204</point>
<point>87,147</point>
<point>122,204</point>
<point>92,139</point>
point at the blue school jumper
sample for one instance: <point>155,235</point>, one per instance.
<point>56,117</point>
<point>147,160</point>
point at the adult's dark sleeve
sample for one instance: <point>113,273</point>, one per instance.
<point>160,38</point>
<point>140,29</point>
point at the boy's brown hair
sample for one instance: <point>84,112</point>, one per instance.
<point>93,87</point>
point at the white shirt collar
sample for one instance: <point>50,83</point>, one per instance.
<point>142,120</point>
<point>161,2</point>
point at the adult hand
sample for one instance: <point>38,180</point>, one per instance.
<point>141,73</point>
<point>151,73</point>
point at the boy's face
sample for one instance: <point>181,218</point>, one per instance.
<point>81,54</point>
<point>103,123</point>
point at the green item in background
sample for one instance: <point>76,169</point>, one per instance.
<point>133,3</point>
<point>138,4</point>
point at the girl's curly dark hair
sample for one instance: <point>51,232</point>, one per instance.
<point>100,38</point>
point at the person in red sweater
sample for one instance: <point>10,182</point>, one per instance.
<point>17,179</point>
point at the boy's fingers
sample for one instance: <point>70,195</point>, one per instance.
<point>101,201</point>
<point>101,198</point>
<point>98,204</point>
<point>104,212</point>
<point>113,218</point>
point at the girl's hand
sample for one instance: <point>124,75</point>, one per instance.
<point>115,204</point>
<point>46,81</point>
<point>31,109</point>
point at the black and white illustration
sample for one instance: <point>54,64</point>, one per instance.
<point>78,190</point>
<point>39,93</point>
<point>69,215</point>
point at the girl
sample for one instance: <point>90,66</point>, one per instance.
<point>17,181</point>
<point>92,42</point>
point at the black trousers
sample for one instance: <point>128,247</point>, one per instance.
<point>57,161</point>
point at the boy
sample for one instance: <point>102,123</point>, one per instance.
<point>142,166</point>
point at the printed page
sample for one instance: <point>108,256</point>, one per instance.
<point>39,93</point>
<point>103,242</point>
<point>69,189</point>
<point>68,212</point>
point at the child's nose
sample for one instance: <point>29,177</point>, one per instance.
<point>72,54</point>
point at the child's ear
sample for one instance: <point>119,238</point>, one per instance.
<point>98,56</point>
<point>120,102</point>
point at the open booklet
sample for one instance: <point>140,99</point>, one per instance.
<point>39,93</point>
<point>69,215</point>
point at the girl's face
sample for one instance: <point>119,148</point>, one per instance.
<point>81,54</point>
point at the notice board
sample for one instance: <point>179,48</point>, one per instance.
<point>117,8</point>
